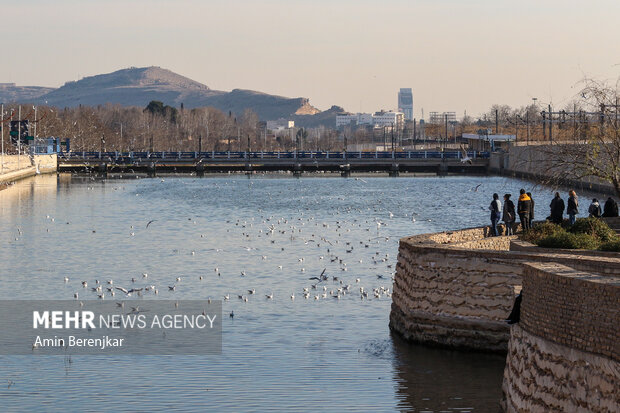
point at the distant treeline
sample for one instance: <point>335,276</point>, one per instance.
<point>159,127</point>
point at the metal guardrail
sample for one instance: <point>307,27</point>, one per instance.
<point>132,157</point>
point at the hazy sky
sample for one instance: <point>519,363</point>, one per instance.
<point>456,55</point>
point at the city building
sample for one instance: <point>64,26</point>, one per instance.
<point>392,119</point>
<point>377,119</point>
<point>440,118</point>
<point>356,119</point>
<point>405,103</point>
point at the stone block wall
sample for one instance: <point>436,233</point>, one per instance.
<point>456,288</point>
<point>573,308</point>
<point>564,355</point>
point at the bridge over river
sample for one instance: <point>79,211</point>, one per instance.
<point>443,162</point>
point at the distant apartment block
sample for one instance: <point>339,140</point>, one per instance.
<point>357,119</point>
<point>377,119</point>
<point>405,103</point>
<point>395,119</point>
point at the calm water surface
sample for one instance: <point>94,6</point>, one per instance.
<point>280,354</point>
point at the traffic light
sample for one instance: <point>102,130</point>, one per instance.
<point>19,130</point>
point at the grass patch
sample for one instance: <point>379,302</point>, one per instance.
<point>587,233</point>
<point>611,245</point>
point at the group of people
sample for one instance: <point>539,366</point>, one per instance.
<point>508,213</point>
<point>525,210</point>
<point>609,210</point>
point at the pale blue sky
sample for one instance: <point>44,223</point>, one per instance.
<point>456,55</point>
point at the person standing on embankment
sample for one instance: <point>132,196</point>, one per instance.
<point>508,215</point>
<point>557,209</point>
<point>523,208</point>
<point>495,207</point>
<point>572,208</point>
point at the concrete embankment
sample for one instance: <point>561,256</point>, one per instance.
<point>454,289</point>
<point>530,162</point>
<point>16,167</point>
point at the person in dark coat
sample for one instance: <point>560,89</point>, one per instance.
<point>531,208</point>
<point>572,207</point>
<point>595,209</point>
<point>509,215</point>
<point>557,209</point>
<point>496,214</point>
<point>523,209</point>
<point>611,208</point>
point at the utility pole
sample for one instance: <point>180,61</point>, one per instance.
<point>446,128</point>
<point>19,138</point>
<point>574,121</point>
<point>200,143</point>
<point>550,125</point>
<point>384,143</point>
<point>516,128</point>
<point>527,123</point>
<point>497,121</point>
<point>544,124</point>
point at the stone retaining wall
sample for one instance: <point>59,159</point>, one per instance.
<point>456,288</point>
<point>573,308</point>
<point>16,167</point>
<point>564,354</point>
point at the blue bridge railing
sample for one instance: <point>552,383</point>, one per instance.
<point>132,157</point>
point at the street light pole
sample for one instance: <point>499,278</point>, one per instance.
<point>19,138</point>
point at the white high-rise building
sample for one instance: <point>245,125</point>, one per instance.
<point>405,102</point>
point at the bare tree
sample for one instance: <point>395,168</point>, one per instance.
<point>591,149</point>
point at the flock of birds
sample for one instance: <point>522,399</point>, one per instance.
<point>345,253</point>
<point>332,252</point>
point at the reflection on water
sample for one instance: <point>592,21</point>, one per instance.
<point>444,380</point>
<point>269,234</point>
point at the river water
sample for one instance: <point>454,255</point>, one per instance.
<point>278,354</point>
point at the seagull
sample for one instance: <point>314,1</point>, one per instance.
<point>150,222</point>
<point>66,279</point>
<point>123,290</point>
<point>269,296</point>
<point>465,158</point>
<point>232,314</point>
<point>172,288</point>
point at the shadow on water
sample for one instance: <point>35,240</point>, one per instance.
<point>434,379</point>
